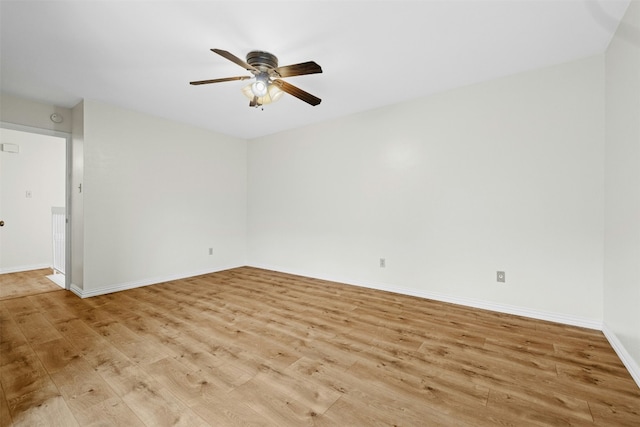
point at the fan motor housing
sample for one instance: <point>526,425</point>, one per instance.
<point>262,60</point>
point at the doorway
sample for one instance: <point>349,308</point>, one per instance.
<point>34,184</point>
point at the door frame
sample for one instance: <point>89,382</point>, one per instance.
<point>67,188</point>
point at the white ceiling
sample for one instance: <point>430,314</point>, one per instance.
<point>141,55</point>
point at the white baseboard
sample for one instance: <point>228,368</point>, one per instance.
<point>623,354</point>
<point>76,290</point>
<point>144,282</point>
<point>22,268</point>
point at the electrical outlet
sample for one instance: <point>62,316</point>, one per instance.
<point>383,263</point>
<point>210,251</point>
<point>501,277</point>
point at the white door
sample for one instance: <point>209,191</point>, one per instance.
<point>32,180</point>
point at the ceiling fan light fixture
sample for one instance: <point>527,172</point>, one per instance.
<point>273,93</point>
<point>264,67</point>
<point>260,86</point>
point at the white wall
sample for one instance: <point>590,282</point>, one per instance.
<point>38,168</point>
<point>156,196</point>
<point>622,191</point>
<point>505,175</point>
<point>36,114</point>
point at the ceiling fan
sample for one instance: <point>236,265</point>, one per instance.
<point>267,86</point>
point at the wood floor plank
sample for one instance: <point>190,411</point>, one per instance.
<point>583,378</point>
<point>56,354</point>
<point>5,414</point>
<point>110,412</point>
<point>22,373</point>
<point>602,359</point>
<point>415,391</point>
<point>191,387</point>
<point>225,411</point>
<point>315,396</point>
<point>365,410</point>
<point>529,411</point>
<point>81,387</point>
<point>275,408</point>
<point>132,345</point>
<point>254,347</point>
<point>615,414</point>
<point>18,306</point>
<point>52,308</point>
<point>11,337</point>
<point>374,393</point>
<point>36,328</point>
<point>44,407</point>
<point>78,333</point>
<point>18,285</point>
<point>158,407</point>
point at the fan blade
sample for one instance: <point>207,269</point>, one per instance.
<point>299,69</point>
<point>226,79</point>
<point>297,92</point>
<point>231,57</point>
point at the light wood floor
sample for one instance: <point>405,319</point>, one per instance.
<point>253,347</point>
<point>15,285</point>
